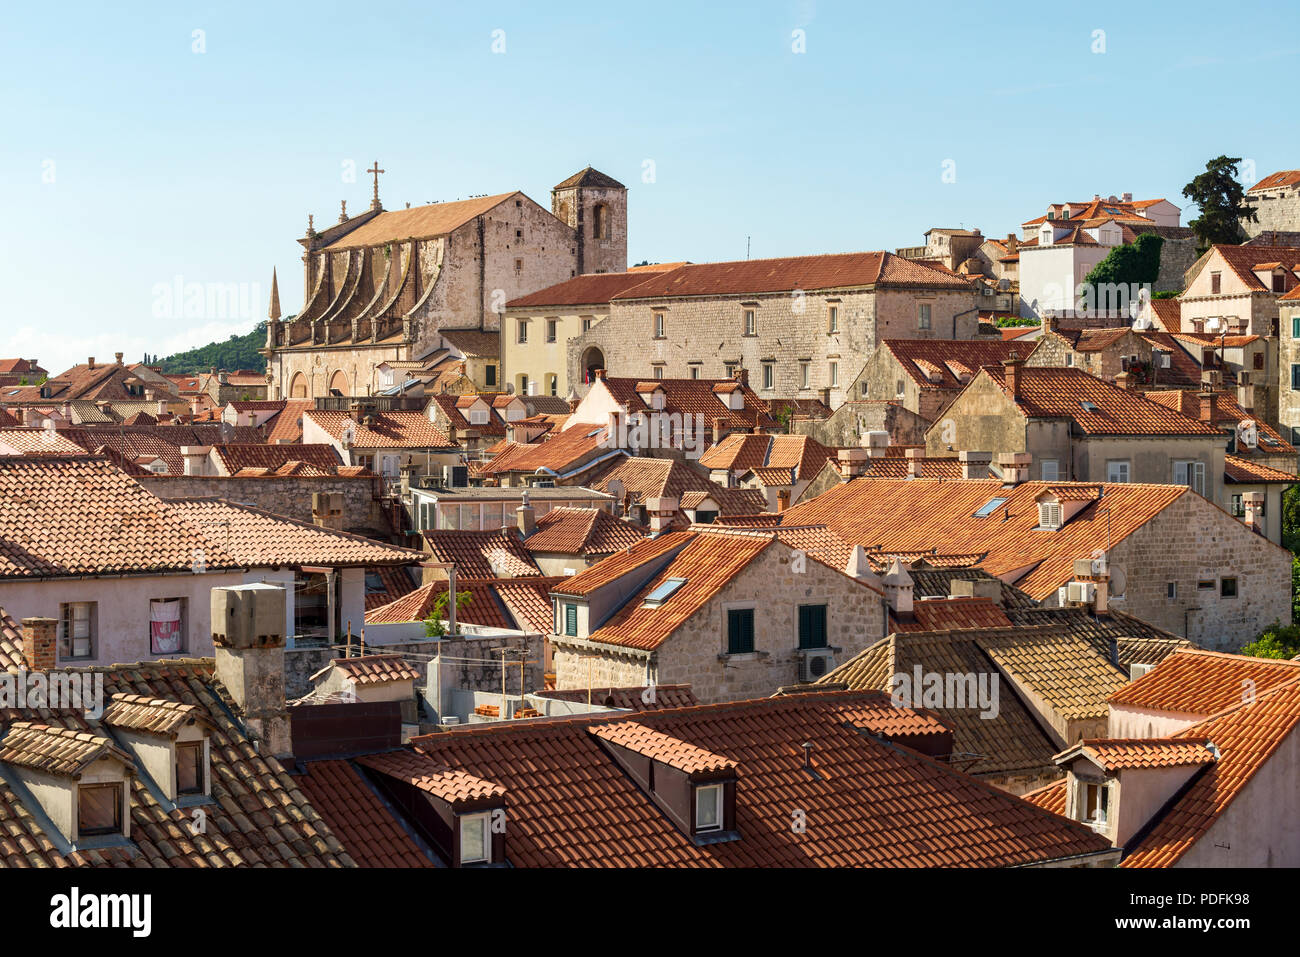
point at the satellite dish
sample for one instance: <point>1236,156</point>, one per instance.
<point>1118,581</point>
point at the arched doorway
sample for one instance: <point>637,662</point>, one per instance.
<point>298,386</point>
<point>339,383</point>
<point>592,360</point>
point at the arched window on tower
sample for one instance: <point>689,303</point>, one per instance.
<point>600,221</point>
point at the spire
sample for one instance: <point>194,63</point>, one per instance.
<point>343,211</point>
<point>274,312</point>
<point>311,226</point>
<point>375,171</point>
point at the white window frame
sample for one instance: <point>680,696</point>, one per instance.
<point>805,375</point>
<point>659,325</point>
<point>1055,470</point>
<point>834,375</point>
<point>552,330</point>
<point>521,337</point>
<point>484,821</point>
<point>751,322</point>
<point>718,792</point>
<point>1190,472</point>
<point>66,615</point>
<point>769,375</point>
<point>924,315</point>
<point>1103,804</point>
<point>833,320</point>
<point>1111,470</point>
<point>1049,515</point>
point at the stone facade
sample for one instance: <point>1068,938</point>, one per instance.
<point>695,653</point>
<point>704,337</point>
<point>385,295</point>
<point>847,424</point>
<point>1288,391</point>
<point>1277,208</point>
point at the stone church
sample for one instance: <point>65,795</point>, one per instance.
<point>397,286</point>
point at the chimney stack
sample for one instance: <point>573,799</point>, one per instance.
<point>195,457</point>
<point>1125,381</point>
<point>989,588</point>
<point>975,465</point>
<point>661,509</point>
<point>248,626</point>
<point>898,589</point>
<point>90,363</point>
<point>853,462</point>
<point>741,375</point>
<point>1245,392</point>
<point>118,357</point>
<point>39,636</point>
<point>782,499</point>
<point>1253,503</point>
<point>915,460</point>
<point>1011,373</point>
<point>1015,466</point>
<point>526,517</point>
<point>327,510</point>
<point>1207,407</point>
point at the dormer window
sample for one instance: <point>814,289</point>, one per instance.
<point>191,767</point>
<point>1049,515</point>
<point>475,838</point>
<point>1094,803</point>
<point>708,807</point>
<point>169,741</point>
<point>99,810</point>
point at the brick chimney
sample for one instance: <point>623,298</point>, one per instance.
<point>975,465</point>
<point>39,643</point>
<point>1207,407</point>
<point>248,625</point>
<point>1011,373</point>
<point>526,517</point>
<point>90,363</point>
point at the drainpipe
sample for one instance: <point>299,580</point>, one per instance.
<point>958,316</point>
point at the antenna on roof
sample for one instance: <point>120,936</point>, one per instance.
<point>746,247</point>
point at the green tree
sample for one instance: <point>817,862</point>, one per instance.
<point>1129,264</point>
<point>237,352</point>
<point>1219,197</point>
<point>434,625</point>
<point>1277,641</point>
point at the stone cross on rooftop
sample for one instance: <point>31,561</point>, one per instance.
<point>375,171</point>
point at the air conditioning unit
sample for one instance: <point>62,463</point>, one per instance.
<point>1136,671</point>
<point>451,719</point>
<point>1080,593</point>
<point>815,663</point>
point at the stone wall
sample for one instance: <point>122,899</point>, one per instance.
<point>1288,400</point>
<point>1275,209</point>
<point>284,495</point>
<point>847,424</point>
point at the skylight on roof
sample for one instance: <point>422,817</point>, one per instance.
<point>989,507</point>
<point>1089,406</point>
<point>663,592</point>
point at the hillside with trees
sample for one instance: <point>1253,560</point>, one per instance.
<point>237,352</point>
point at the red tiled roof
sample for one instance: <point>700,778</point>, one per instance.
<point>482,555</point>
<point>620,563</point>
<point>1226,410</point>
<point>1169,313</point>
<point>1287,177</point>
<point>421,222</point>
<point>693,397</point>
<point>457,787</point>
<point>869,803</point>
<point>667,750</point>
<point>1237,469</point>
<point>742,451</point>
<point>658,698</point>
<point>1050,393</point>
<point>653,478</point>
<point>480,608</point>
<point>582,531</point>
<point>319,459</point>
<point>38,442</point>
<point>376,669</point>
<point>932,467</point>
<point>257,538</point>
<point>557,452</point>
<point>1244,260</point>
<point>589,289</point>
<point>809,273</point>
<point>1118,754</point>
<point>1199,682</point>
<point>287,426</point>
<point>358,817</point>
<point>922,514</point>
<point>918,356</point>
<point>952,614</point>
<point>529,601</point>
<point>387,430</point>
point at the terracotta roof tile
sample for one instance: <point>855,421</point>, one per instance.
<point>1119,754</point>
<point>457,787</point>
<point>645,478</point>
<point>694,397</point>
<point>589,289</point>
<point>387,430</point>
<point>667,750</point>
<point>152,715</point>
<point>630,699</point>
<point>481,555</point>
<point>620,563</point>
<point>952,614</point>
<point>582,531</point>
<point>358,817</point>
<point>1193,681</point>
<point>376,669</point>
<point>420,222</point>
<point>319,459</point>
<point>63,752</point>
<point>918,356</point>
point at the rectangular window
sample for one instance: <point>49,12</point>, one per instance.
<point>77,622</point>
<point>833,322</point>
<point>571,620</point>
<point>659,325</point>
<point>1051,470</point>
<point>1295,326</point>
<point>519,266</point>
<point>659,372</point>
<point>99,809</point>
<point>1117,471</point>
<point>1171,590</point>
<point>167,626</point>
<point>1205,584</point>
<point>834,374</point>
<point>695,372</point>
<point>550,330</point>
<point>523,385</point>
<point>1235,506</point>
<point>523,332</point>
<point>740,631</point>
<point>1216,285</point>
<point>189,767</point>
<point>708,807</point>
<point>586,324</point>
<point>555,383</point>
<point>475,843</point>
<point>812,626</point>
<point>769,375</point>
<point>923,316</point>
<point>751,323</point>
<point>1069,359</point>
<point>1227,588</point>
<point>1191,474</point>
<point>1096,804</point>
<point>803,375</point>
<point>490,375</point>
<point>1279,282</point>
<point>1295,378</point>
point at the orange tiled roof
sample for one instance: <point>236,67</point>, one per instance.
<point>287,425</point>
<point>358,817</point>
<point>582,531</point>
<point>742,451</point>
<point>1244,260</point>
<point>923,514</point>
<point>695,397</point>
<point>63,752</point>
<point>1226,411</point>
<point>458,788</point>
<point>667,750</point>
<point>620,563</point>
<point>1193,681</point>
<point>630,699</point>
<point>1118,754</point>
<point>556,452</point>
<point>1287,177</point>
<point>376,669</point>
<point>256,538</point>
<point>152,715</point>
<point>589,289</point>
<point>1053,392</point>
<point>486,604</point>
<point>917,357</point>
<point>952,614</point>
<point>809,273</point>
<point>421,222</point>
<point>482,555</point>
<point>571,804</point>
<point>319,459</point>
<point>645,478</point>
<point>38,442</point>
<point>387,430</point>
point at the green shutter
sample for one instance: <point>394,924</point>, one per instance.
<point>1295,326</point>
<point>740,631</point>
<point>812,626</point>
<point>571,620</point>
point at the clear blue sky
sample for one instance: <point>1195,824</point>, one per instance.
<point>169,163</point>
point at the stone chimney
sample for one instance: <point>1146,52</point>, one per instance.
<point>975,465</point>
<point>1011,373</point>
<point>573,401</point>
<point>117,356</point>
<point>598,374</point>
<point>1207,407</point>
<point>915,460</point>
<point>1049,323</point>
<point>90,363</point>
<point>40,643</point>
<point>1015,466</point>
<point>526,517</point>
<point>876,442</point>
<point>661,510</point>
<point>195,457</point>
<point>859,567</point>
<point>782,499</point>
<point>853,462</point>
<point>898,589</point>
<point>327,510</point>
<point>989,588</point>
<point>1125,381</point>
<point>615,488</point>
<point>1245,392</point>
<point>741,375</point>
<point>248,625</point>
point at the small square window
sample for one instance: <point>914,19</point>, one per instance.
<point>475,841</point>
<point>99,809</point>
<point>1227,588</point>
